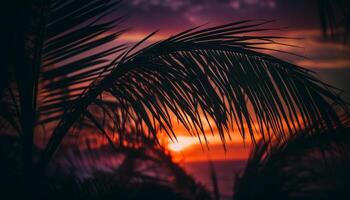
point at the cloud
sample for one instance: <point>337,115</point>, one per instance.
<point>239,4</point>
<point>318,53</point>
<point>194,14</point>
<point>190,8</point>
<point>325,63</point>
<point>235,4</point>
<point>173,5</point>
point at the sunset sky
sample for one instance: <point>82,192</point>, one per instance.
<point>175,99</point>
<point>297,18</point>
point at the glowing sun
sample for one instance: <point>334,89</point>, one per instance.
<point>181,143</point>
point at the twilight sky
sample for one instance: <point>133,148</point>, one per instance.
<point>175,15</point>
<point>298,18</point>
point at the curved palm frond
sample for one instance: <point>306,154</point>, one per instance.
<point>75,52</point>
<point>211,77</point>
<point>305,167</point>
<point>54,50</point>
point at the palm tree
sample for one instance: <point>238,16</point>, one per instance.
<point>61,66</point>
<point>304,167</point>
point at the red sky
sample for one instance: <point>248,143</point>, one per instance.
<point>298,18</point>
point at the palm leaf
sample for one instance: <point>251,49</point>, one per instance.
<point>62,47</point>
<point>215,75</point>
<point>75,52</point>
<point>305,167</point>
<point>54,50</point>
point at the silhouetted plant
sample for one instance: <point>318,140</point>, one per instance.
<point>144,171</point>
<point>306,166</point>
<point>59,69</point>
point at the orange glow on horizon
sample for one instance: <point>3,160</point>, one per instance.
<point>181,143</point>
<point>136,37</point>
<point>193,149</point>
<point>197,148</point>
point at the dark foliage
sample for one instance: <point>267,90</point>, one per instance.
<point>305,167</point>
<point>62,73</point>
<point>140,171</point>
<point>335,19</point>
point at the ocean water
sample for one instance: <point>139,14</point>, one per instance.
<point>225,172</point>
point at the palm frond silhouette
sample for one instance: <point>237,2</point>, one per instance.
<point>306,166</point>
<point>62,65</point>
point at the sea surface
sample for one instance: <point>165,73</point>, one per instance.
<point>225,171</point>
